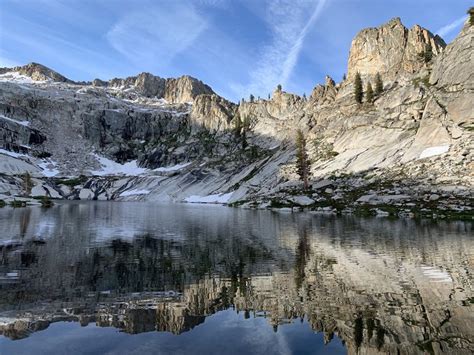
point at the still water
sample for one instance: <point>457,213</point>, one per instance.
<point>138,278</point>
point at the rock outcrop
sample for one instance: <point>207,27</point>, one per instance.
<point>392,50</point>
<point>37,72</point>
<point>185,89</point>
<point>179,90</point>
<point>454,71</point>
<point>144,84</point>
<point>324,94</point>
<point>213,113</point>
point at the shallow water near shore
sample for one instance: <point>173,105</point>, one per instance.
<point>105,277</point>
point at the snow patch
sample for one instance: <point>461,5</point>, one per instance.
<point>134,192</point>
<point>16,77</point>
<point>216,198</point>
<point>432,151</point>
<point>10,243</point>
<point>49,168</point>
<point>22,123</point>
<point>12,154</point>
<point>148,101</point>
<point>110,167</point>
<point>435,274</point>
<point>172,168</point>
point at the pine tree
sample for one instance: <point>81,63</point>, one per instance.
<point>470,12</point>
<point>252,98</point>
<point>279,88</point>
<point>245,128</point>
<point>302,160</point>
<point>378,84</point>
<point>358,89</point>
<point>428,54</point>
<point>237,126</point>
<point>369,94</point>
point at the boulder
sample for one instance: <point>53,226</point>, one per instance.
<point>302,200</point>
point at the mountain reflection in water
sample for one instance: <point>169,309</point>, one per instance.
<point>374,285</point>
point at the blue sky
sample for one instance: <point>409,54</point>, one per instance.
<point>236,46</point>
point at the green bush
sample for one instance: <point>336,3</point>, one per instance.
<point>72,182</point>
<point>17,203</point>
<point>46,202</point>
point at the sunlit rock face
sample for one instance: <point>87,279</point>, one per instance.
<point>380,285</point>
<point>453,70</point>
<point>172,90</point>
<point>213,113</point>
<point>37,72</point>
<point>391,50</point>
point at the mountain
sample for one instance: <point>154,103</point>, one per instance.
<point>154,139</point>
<point>392,50</point>
<point>37,72</point>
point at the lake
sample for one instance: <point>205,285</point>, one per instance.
<point>141,278</point>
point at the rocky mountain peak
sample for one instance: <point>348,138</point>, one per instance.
<point>392,49</point>
<point>324,93</point>
<point>174,90</point>
<point>185,89</point>
<point>38,72</point>
<point>145,84</point>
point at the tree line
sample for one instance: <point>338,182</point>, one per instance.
<point>370,93</point>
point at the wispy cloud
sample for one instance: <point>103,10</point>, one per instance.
<point>446,30</point>
<point>157,35</point>
<point>6,62</point>
<point>289,24</point>
<point>39,41</point>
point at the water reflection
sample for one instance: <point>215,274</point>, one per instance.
<point>379,285</point>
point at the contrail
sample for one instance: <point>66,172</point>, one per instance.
<point>445,30</point>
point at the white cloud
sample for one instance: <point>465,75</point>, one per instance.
<point>445,30</point>
<point>156,35</point>
<point>289,24</point>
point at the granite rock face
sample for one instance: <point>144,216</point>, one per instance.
<point>37,72</point>
<point>392,50</point>
<point>179,90</point>
<point>453,71</point>
<point>185,89</point>
<point>213,112</point>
